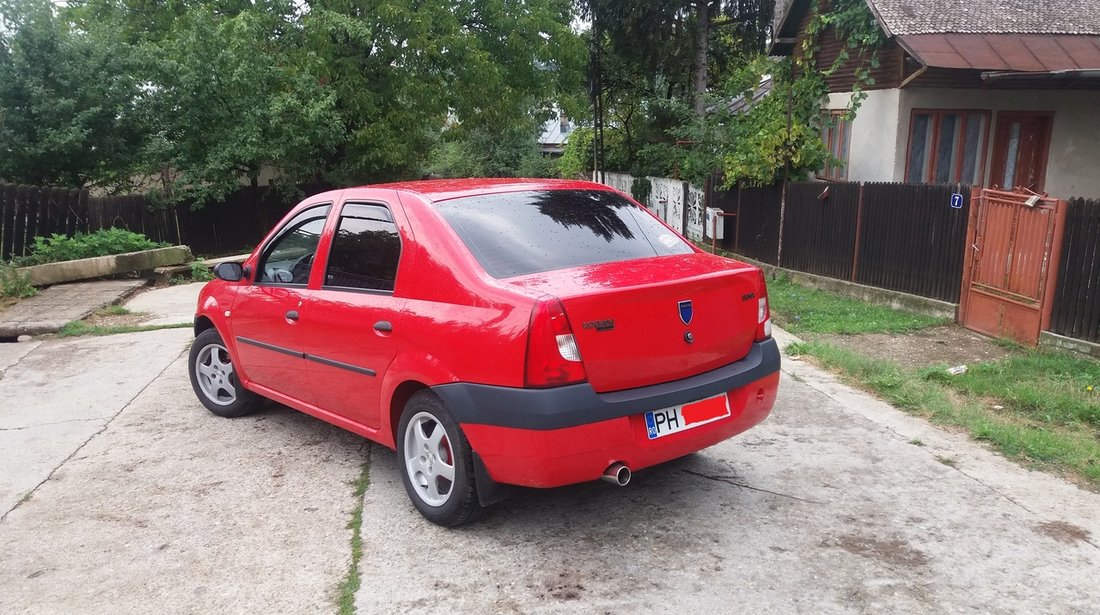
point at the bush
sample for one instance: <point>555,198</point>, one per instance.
<point>103,242</point>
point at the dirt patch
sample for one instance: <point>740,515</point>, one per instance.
<point>895,552</point>
<point>947,345</point>
<point>1063,532</point>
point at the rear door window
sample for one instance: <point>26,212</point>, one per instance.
<point>518,233</point>
<point>365,249</point>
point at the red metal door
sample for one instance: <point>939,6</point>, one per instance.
<point>1011,270</point>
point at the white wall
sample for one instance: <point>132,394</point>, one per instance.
<point>875,142</point>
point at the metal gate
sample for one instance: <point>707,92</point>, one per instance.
<point>1015,241</point>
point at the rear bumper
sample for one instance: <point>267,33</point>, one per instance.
<point>565,435</point>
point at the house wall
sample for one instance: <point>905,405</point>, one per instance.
<point>880,132</point>
<point>1074,141</point>
<point>873,145</point>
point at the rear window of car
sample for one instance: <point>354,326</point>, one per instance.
<point>518,233</point>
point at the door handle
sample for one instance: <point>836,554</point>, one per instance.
<point>383,326</point>
<point>292,315</point>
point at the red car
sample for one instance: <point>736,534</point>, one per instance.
<point>493,332</point>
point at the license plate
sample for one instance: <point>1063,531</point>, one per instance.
<point>660,423</point>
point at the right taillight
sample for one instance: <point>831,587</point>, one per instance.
<point>763,312</point>
<point>553,358</point>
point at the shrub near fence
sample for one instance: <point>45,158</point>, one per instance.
<point>1077,298</point>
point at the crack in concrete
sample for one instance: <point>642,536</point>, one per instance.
<point>30,494</point>
<point>101,418</point>
<point>33,347</point>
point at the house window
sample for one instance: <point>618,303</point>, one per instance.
<point>947,147</point>
<point>836,131</point>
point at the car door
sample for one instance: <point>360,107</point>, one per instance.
<point>349,333</point>
<point>267,313</point>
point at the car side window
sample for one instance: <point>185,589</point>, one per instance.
<point>365,249</point>
<point>289,257</point>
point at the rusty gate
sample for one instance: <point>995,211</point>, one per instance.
<point>1014,243</point>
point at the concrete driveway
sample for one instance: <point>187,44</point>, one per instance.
<point>119,493</point>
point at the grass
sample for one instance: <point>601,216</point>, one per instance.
<point>1046,386</point>
<point>1037,435</point>
<point>805,310</point>
<point>78,328</point>
<point>114,310</point>
<point>351,582</point>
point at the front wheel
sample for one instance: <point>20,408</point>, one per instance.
<point>214,380</point>
<point>436,463</point>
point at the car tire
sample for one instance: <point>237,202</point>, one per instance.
<point>214,378</point>
<point>436,463</point>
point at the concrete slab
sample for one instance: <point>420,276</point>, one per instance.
<point>58,305</point>
<point>85,268</point>
<point>63,392</point>
<point>168,305</point>
<point>827,507</point>
<point>169,509</point>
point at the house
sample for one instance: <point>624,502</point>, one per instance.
<point>1000,93</point>
<point>555,133</point>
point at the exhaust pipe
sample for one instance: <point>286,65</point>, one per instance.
<point>617,474</point>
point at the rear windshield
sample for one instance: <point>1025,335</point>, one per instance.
<point>517,233</point>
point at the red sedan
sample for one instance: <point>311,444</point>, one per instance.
<point>493,332</point>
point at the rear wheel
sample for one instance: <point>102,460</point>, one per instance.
<point>436,463</point>
<point>214,378</point>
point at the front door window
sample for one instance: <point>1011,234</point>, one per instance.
<point>1020,150</point>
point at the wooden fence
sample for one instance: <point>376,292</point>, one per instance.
<point>237,223</point>
<point>1077,298</point>
<point>903,237</point>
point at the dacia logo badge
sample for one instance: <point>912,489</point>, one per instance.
<point>685,311</point>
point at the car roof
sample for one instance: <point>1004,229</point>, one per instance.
<point>442,189</point>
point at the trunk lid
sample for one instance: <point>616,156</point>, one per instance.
<point>632,319</point>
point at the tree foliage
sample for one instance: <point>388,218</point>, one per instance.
<point>66,100</point>
<point>196,97</point>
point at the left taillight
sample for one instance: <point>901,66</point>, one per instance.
<point>553,358</point>
<point>763,312</point>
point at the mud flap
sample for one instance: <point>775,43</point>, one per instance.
<point>489,491</point>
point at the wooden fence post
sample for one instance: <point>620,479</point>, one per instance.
<point>859,231</point>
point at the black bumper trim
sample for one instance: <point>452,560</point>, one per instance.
<point>579,404</point>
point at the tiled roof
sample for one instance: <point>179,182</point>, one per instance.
<point>903,17</point>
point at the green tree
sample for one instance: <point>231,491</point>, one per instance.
<point>67,114</point>
<point>232,95</point>
<point>402,69</point>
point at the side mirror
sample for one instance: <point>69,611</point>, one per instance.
<point>230,272</point>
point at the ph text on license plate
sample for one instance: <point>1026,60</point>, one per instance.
<point>661,423</point>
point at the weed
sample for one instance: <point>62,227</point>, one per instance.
<point>916,442</point>
<point>103,242</point>
<point>77,328</point>
<point>114,310</point>
<point>15,284</point>
<point>351,582</point>
<point>947,461</point>
<point>200,272</point>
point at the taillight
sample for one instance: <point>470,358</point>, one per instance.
<point>763,312</point>
<point>553,358</point>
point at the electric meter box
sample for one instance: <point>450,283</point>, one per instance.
<point>713,231</point>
